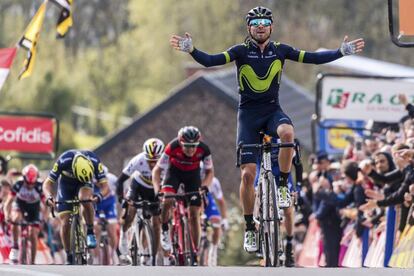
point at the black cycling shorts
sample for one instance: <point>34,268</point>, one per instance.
<point>191,181</point>
<point>137,192</point>
<point>249,124</point>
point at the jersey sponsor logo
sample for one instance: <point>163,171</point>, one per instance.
<point>258,84</point>
<point>55,167</point>
<point>100,168</point>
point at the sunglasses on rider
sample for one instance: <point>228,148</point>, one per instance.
<point>260,21</point>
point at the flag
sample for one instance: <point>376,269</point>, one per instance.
<point>6,59</point>
<point>29,40</point>
<point>65,20</point>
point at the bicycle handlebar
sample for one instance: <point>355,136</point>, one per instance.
<point>144,203</point>
<point>70,201</point>
<point>180,196</point>
<point>242,146</point>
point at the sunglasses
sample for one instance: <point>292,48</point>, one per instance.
<point>260,21</point>
<point>190,145</point>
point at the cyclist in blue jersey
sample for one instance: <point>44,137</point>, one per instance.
<point>259,63</point>
<point>75,170</point>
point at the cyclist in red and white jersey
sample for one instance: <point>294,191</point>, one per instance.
<point>24,203</point>
<point>181,160</point>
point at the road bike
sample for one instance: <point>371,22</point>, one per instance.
<point>78,246</point>
<point>25,256</point>
<point>184,250</point>
<point>143,251</point>
<point>268,214</point>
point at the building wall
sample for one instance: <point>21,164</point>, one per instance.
<point>214,116</point>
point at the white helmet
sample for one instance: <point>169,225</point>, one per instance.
<point>153,148</point>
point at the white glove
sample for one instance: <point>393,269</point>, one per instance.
<point>225,224</point>
<point>186,44</point>
<point>347,48</point>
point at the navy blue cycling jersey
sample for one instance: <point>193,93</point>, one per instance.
<point>258,73</point>
<point>63,166</point>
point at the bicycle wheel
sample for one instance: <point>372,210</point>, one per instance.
<point>134,251</point>
<point>189,252</point>
<point>105,256</point>
<point>146,234</point>
<point>204,247</point>
<point>24,254</point>
<point>275,242</point>
<point>77,242</point>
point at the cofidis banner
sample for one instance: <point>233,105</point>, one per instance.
<point>27,134</point>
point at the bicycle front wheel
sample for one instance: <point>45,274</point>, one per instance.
<point>77,242</point>
<point>274,238</point>
<point>147,245</point>
<point>189,252</point>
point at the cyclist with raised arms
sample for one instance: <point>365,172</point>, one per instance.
<point>75,171</point>
<point>23,203</point>
<point>259,64</point>
<point>140,168</point>
<point>181,161</point>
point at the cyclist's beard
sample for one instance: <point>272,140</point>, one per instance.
<point>261,40</point>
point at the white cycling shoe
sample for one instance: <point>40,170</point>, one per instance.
<point>165,241</point>
<point>250,241</point>
<point>285,200</point>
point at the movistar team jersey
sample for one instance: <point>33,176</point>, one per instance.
<point>258,73</point>
<point>63,166</point>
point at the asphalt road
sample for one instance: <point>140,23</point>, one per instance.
<point>57,270</point>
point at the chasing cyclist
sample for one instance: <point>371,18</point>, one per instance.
<point>216,214</point>
<point>140,168</point>
<point>75,171</point>
<point>107,207</point>
<point>181,161</point>
<point>259,64</point>
<point>23,203</point>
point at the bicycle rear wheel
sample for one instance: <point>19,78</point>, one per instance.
<point>204,247</point>
<point>24,255</point>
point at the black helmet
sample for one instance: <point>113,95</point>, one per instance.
<point>189,135</point>
<point>259,12</point>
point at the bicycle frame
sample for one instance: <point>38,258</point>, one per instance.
<point>179,234</point>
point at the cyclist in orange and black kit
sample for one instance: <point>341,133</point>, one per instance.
<point>24,203</point>
<point>181,159</point>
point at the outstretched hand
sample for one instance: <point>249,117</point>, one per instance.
<point>352,47</point>
<point>184,44</point>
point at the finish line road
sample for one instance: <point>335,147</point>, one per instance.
<point>60,270</point>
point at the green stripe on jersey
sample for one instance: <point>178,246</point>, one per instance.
<point>301,56</point>
<point>227,56</point>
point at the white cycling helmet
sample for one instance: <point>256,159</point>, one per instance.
<point>153,148</point>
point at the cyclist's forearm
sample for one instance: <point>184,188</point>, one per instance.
<point>322,57</point>
<point>208,179</point>
<point>208,60</point>
<point>156,179</point>
<point>48,187</point>
<point>223,207</point>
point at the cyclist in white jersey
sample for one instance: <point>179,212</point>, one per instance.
<point>140,168</point>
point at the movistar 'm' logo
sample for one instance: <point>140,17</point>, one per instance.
<point>259,84</point>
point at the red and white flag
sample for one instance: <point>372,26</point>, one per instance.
<point>6,59</point>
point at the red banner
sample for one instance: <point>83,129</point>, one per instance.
<point>27,134</point>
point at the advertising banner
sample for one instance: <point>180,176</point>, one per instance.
<point>363,98</point>
<point>27,134</point>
